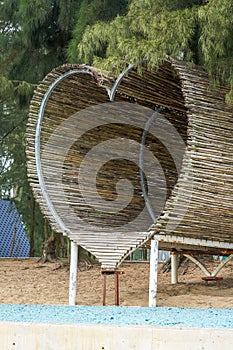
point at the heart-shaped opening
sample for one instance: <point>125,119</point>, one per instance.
<point>103,171</point>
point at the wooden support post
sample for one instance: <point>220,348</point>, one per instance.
<point>174,268</point>
<point>221,265</point>
<point>104,289</point>
<point>73,272</point>
<point>154,253</point>
<point>116,289</point>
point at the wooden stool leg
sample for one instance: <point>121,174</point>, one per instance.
<point>218,282</point>
<point>104,290</point>
<point>116,289</point>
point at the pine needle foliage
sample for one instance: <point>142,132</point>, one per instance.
<point>90,12</point>
<point>197,31</point>
<point>34,35</point>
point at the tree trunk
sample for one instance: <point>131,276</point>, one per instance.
<point>49,251</point>
<point>32,224</point>
<point>46,229</point>
<point>166,267</point>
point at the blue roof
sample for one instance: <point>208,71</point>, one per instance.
<point>13,238</point>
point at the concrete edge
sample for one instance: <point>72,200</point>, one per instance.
<point>50,336</point>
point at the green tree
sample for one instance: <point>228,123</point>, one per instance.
<point>197,31</point>
<point>216,40</point>
<point>34,35</point>
<point>90,12</point>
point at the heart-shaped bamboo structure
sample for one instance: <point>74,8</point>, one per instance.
<point>184,197</point>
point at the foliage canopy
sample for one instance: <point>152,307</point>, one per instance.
<point>33,39</point>
<point>197,31</point>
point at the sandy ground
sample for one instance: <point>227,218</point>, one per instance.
<point>30,282</point>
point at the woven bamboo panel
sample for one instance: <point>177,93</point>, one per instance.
<point>201,203</point>
<point>174,179</point>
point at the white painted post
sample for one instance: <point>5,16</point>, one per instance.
<point>154,254</point>
<point>174,268</point>
<point>73,272</point>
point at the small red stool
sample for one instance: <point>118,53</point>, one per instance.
<point>106,273</point>
<point>213,278</point>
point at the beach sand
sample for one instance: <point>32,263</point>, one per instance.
<point>27,281</point>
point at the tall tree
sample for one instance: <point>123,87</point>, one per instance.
<point>199,31</point>
<point>34,35</point>
<point>90,12</point>
<point>216,40</point>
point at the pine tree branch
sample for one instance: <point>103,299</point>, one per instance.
<point>11,130</point>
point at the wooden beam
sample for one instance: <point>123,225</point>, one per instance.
<point>204,252</point>
<point>192,242</point>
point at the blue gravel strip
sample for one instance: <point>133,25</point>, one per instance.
<point>170,317</point>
